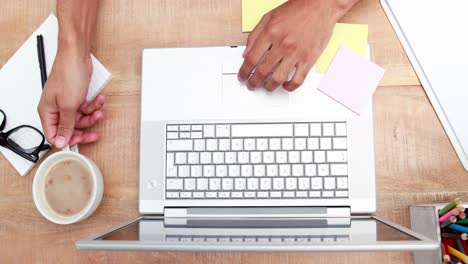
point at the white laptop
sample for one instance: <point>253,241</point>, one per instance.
<point>225,168</point>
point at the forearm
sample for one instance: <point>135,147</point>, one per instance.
<point>77,22</point>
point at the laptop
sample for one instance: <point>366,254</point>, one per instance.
<point>443,73</point>
<point>225,168</point>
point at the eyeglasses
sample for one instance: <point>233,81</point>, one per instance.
<point>26,141</point>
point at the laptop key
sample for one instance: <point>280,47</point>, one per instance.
<point>252,183</point>
<point>342,182</point>
<point>316,183</point>
<point>189,184</point>
<point>329,183</point>
<point>202,184</point>
<point>249,194</point>
<point>227,184</point>
<point>341,193</point>
<point>172,195</point>
<point>174,184</point>
<point>211,195</point>
<point>304,184</point>
<point>315,194</point>
<point>278,183</point>
<point>185,195</point>
<point>301,194</point>
<point>337,156</point>
<point>215,184</point>
<point>291,183</point>
<point>265,183</point>
<point>181,158</point>
<point>198,195</point>
<point>240,184</point>
<point>275,194</point>
<point>211,144</point>
<point>179,145</point>
<point>223,195</point>
<point>339,169</point>
<point>236,194</point>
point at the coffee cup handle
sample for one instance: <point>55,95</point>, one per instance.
<point>74,148</point>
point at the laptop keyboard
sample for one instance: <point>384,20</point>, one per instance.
<point>256,161</point>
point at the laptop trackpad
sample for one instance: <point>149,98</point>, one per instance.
<point>237,93</point>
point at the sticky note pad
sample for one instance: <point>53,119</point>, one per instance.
<point>353,36</point>
<point>253,10</point>
<point>351,79</point>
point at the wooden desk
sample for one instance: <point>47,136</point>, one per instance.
<point>415,161</point>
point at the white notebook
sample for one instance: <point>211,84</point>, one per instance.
<point>20,85</point>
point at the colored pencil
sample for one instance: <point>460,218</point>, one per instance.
<point>462,221</point>
<point>453,212</point>
<point>458,254</point>
<point>449,221</point>
<point>449,206</point>
<point>454,261</point>
<point>465,246</point>
<point>460,246</point>
<point>462,236</point>
<point>459,228</point>
<point>445,253</point>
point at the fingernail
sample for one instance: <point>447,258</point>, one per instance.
<point>60,142</point>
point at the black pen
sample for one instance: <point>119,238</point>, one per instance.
<point>41,57</point>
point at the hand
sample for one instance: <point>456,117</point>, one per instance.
<point>63,109</point>
<point>290,36</point>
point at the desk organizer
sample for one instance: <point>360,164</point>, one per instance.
<point>425,220</point>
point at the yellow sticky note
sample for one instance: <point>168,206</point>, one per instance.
<point>354,36</point>
<point>253,11</point>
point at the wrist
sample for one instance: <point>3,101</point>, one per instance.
<point>341,7</point>
<point>72,46</point>
<point>333,9</point>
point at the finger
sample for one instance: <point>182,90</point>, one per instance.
<point>84,138</point>
<point>88,108</point>
<point>255,33</point>
<point>264,68</point>
<point>49,119</point>
<point>280,74</point>
<point>253,57</point>
<point>299,77</point>
<point>65,128</point>
<point>86,121</point>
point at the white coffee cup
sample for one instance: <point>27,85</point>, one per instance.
<point>39,184</point>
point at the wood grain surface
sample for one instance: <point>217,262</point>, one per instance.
<point>414,160</point>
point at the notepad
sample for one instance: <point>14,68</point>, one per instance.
<point>253,11</point>
<point>351,79</point>
<point>354,36</point>
<point>21,89</point>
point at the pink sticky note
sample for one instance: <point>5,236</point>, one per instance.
<point>351,79</point>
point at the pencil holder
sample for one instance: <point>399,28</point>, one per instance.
<point>425,220</point>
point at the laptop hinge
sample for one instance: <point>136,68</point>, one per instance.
<point>257,212</point>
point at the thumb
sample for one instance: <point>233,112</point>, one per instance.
<point>65,128</point>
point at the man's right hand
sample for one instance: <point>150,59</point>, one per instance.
<point>63,109</point>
